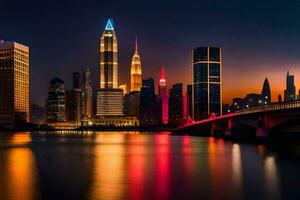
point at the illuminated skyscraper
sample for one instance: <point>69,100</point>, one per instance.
<point>109,58</point>
<point>207,80</point>
<point>162,92</point>
<point>56,102</point>
<point>14,82</point>
<point>136,71</point>
<point>266,93</point>
<point>87,94</point>
<point>109,96</point>
<point>290,91</point>
<point>176,105</point>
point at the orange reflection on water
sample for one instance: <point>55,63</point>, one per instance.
<point>109,167</point>
<point>18,173</point>
<point>217,164</point>
<point>137,167</point>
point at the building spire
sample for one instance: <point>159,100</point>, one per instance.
<point>162,80</point>
<point>109,25</point>
<point>136,44</point>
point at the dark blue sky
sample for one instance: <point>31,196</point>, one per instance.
<point>258,38</point>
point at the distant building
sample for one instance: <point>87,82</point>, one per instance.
<point>279,98</point>
<point>87,94</point>
<point>124,88</point>
<point>76,80</point>
<point>207,82</point>
<point>238,104</point>
<point>74,100</point>
<point>163,96</point>
<point>266,93</point>
<point>109,96</point>
<point>289,92</point>
<point>56,105</point>
<point>132,104</point>
<point>38,114</point>
<point>253,100</point>
<point>136,71</point>
<point>176,105</point>
<point>14,83</point>
<point>148,102</point>
<point>189,101</point>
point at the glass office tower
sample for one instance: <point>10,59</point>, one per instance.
<point>207,82</point>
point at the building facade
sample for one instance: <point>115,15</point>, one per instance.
<point>176,105</point>
<point>56,102</point>
<point>87,94</point>
<point>136,71</point>
<point>14,83</point>
<point>74,100</point>
<point>266,93</point>
<point>110,102</point>
<point>132,104</point>
<point>148,103</point>
<point>109,97</point>
<point>207,82</point>
<point>290,91</point>
<point>163,95</point>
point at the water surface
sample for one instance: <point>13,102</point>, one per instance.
<point>133,165</point>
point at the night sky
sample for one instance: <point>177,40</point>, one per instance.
<point>259,39</point>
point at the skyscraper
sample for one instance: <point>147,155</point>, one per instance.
<point>207,80</point>
<point>74,100</point>
<point>162,92</point>
<point>14,82</point>
<point>147,102</point>
<point>109,96</point>
<point>132,104</point>
<point>189,93</point>
<point>290,91</point>
<point>175,105</point>
<point>56,103</point>
<point>266,93</point>
<point>136,71</point>
<point>109,58</point>
<point>87,94</point>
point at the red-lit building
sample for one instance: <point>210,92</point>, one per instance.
<point>163,94</point>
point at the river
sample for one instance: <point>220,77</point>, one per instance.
<point>134,165</point>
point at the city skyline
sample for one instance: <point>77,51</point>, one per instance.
<point>249,53</point>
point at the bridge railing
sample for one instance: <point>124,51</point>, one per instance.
<point>270,107</point>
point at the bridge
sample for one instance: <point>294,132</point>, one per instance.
<point>258,122</point>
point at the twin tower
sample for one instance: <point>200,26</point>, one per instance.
<point>109,95</point>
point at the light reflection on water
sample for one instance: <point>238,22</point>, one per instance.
<point>130,165</point>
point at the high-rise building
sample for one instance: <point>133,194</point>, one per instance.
<point>109,96</point>
<point>207,82</point>
<point>87,94</point>
<point>162,92</point>
<point>109,58</point>
<point>56,102</point>
<point>14,82</point>
<point>74,100</point>
<point>175,105</point>
<point>189,93</point>
<point>132,104</point>
<point>76,80</point>
<point>148,103</point>
<point>290,91</point>
<point>266,93</point>
<point>136,71</point>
